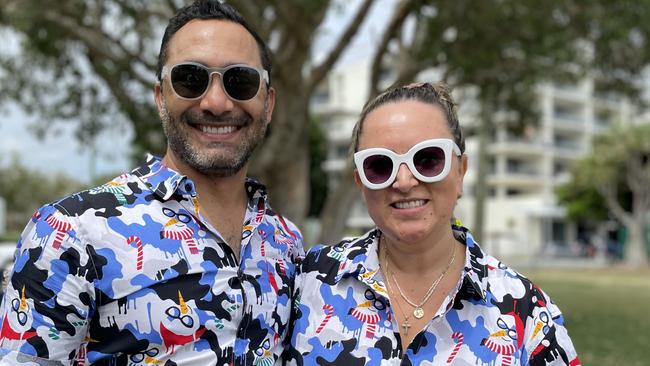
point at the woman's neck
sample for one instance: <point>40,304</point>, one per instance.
<point>428,256</point>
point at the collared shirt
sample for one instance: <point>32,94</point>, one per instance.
<point>495,316</point>
<point>131,273</point>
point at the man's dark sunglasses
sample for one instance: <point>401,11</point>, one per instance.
<point>191,80</point>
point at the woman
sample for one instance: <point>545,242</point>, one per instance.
<point>418,290</point>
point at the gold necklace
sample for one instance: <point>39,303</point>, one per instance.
<point>418,312</point>
<point>406,324</point>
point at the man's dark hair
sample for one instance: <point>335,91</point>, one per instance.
<point>204,10</point>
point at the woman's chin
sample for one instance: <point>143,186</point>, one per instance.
<point>410,234</point>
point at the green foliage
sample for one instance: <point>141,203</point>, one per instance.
<point>92,62</point>
<point>616,151</point>
<point>617,162</point>
<point>582,201</point>
<point>25,190</point>
<point>82,62</point>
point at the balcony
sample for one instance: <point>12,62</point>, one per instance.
<point>568,123</point>
<point>569,92</point>
<point>518,174</point>
<point>517,146</point>
<point>523,180</point>
<point>568,149</point>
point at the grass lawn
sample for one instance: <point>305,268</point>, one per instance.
<point>607,312</point>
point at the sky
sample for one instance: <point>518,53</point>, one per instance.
<point>60,152</point>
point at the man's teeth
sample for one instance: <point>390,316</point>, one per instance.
<point>410,204</point>
<point>219,130</point>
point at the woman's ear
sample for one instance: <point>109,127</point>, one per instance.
<point>462,170</point>
<point>357,179</point>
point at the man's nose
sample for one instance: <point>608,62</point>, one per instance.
<point>215,100</point>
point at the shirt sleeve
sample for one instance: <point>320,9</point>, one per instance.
<point>549,343</point>
<point>49,296</point>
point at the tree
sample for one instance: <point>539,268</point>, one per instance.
<point>618,168</point>
<point>25,190</point>
<point>91,62</point>
<point>501,50</point>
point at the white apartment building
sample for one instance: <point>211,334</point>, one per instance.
<point>522,219</point>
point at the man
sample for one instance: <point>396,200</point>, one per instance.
<point>181,261</point>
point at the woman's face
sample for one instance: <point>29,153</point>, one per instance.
<point>409,210</point>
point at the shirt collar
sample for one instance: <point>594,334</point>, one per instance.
<point>475,273</point>
<point>360,260</point>
<point>164,181</point>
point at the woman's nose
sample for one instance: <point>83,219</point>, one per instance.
<point>405,180</point>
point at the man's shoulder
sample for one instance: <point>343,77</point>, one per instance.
<point>108,197</point>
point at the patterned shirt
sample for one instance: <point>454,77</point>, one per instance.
<point>495,316</point>
<point>131,273</point>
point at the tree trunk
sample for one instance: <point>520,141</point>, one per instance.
<point>286,147</point>
<point>480,186</point>
<point>337,208</point>
<point>636,254</point>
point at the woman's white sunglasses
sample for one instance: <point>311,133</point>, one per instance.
<point>429,161</point>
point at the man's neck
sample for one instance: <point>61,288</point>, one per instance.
<point>222,200</point>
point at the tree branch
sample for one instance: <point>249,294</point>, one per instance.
<point>320,71</point>
<point>400,14</point>
<point>638,175</point>
<point>610,193</point>
<point>172,6</point>
<point>252,12</point>
<point>97,41</point>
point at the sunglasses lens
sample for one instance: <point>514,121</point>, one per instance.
<point>241,82</point>
<point>189,81</point>
<point>429,161</point>
<point>377,168</point>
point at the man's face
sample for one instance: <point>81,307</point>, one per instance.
<point>213,135</point>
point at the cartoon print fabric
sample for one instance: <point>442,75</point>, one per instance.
<point>130,273</point>
<point>494,317</point>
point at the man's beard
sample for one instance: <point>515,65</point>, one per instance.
<point>217,159</point>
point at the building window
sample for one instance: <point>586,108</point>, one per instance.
<point>559,168</point>
<point>603,118</point>
<point>558,232</point>
<point>566,113</point>
<point>515,166</point>
<point>341,151</point>
<point>321,96</point>
<point>566,142</point>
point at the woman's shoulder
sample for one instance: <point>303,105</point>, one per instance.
<point>332,259</point>
<point>504,285</point>
<point>501,283</point>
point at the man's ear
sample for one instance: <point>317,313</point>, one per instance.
<point>157,95</point>
<point>270,104</point>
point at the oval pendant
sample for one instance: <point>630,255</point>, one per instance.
<point>418,312</point>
